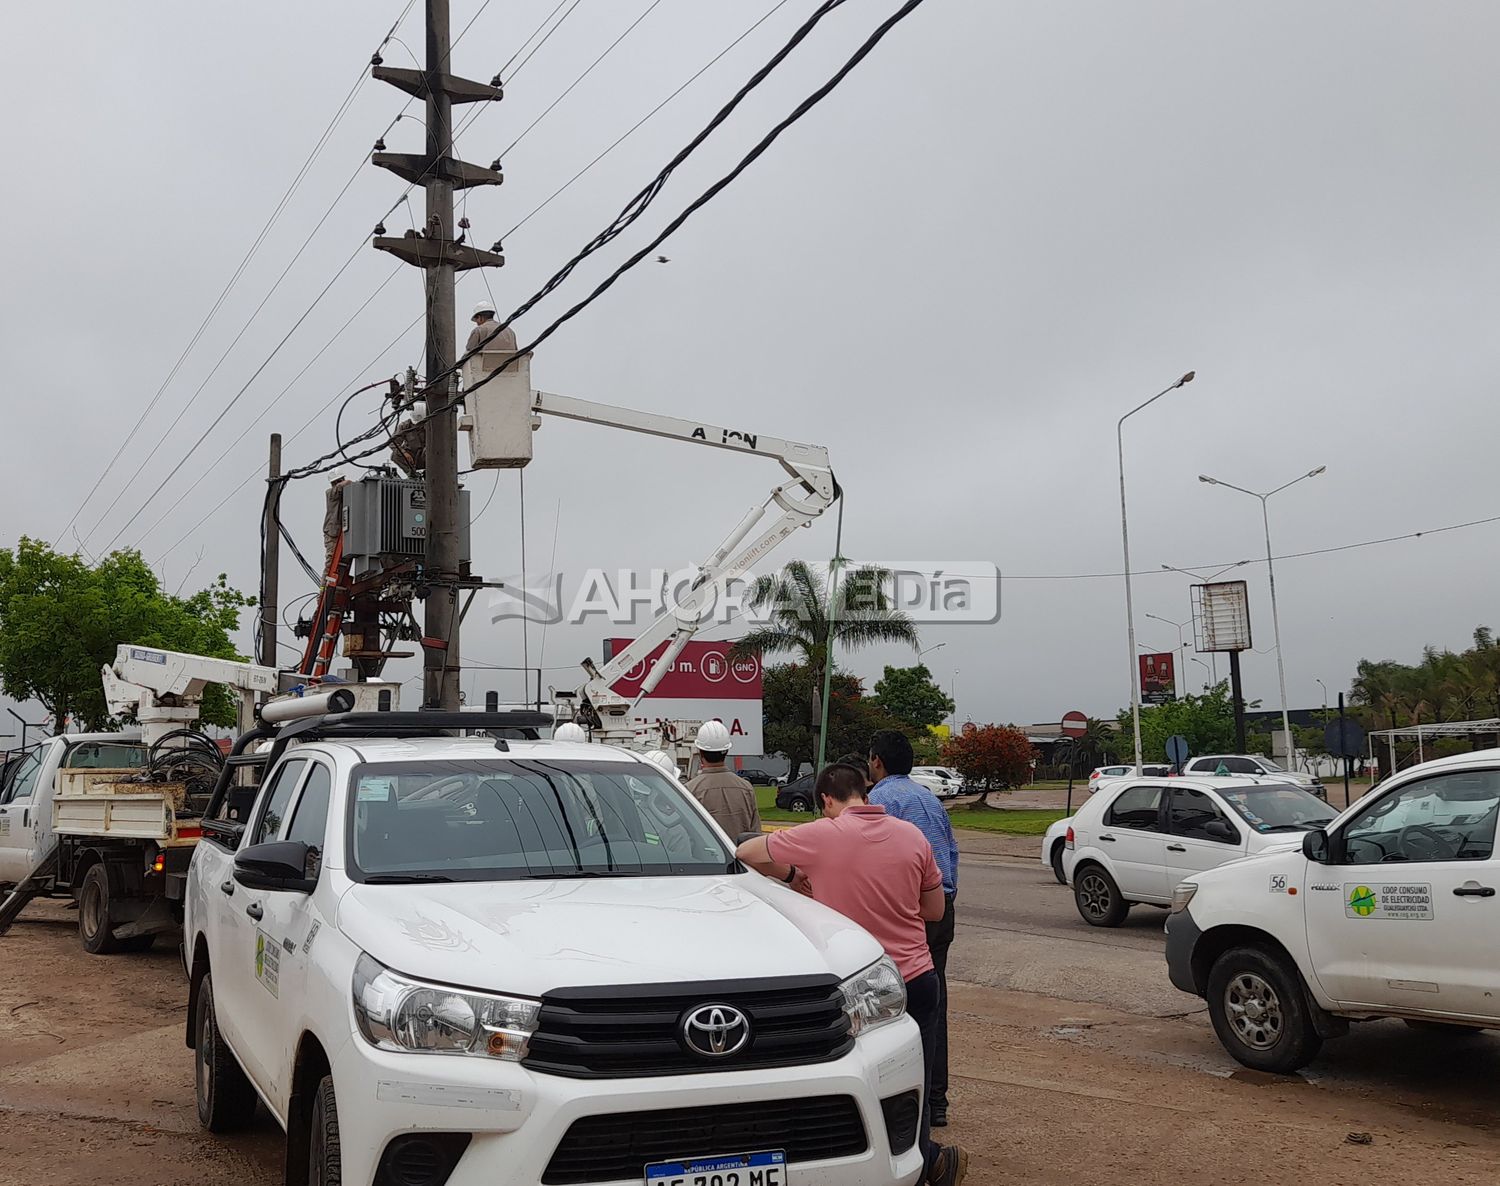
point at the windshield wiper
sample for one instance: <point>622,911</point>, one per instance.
<point>575,874</point>
<point>403,878</point>
<point>1291,827</point>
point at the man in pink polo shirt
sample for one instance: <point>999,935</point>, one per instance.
<point>878,871</point>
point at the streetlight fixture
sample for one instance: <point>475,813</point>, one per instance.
<point>1286,725</point>
<point>930,649</point>
<point>1181,639</point>
<point>1135,684</point>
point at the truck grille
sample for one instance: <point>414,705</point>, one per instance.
<point>621,1032</point>
<point>619,1146</point>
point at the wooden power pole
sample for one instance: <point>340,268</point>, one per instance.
<point>270,561</point>
<point>434,250</point>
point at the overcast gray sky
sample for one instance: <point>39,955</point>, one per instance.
<point>1015,222</point>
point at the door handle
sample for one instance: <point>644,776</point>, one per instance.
<point>1176,848</point>
<point>1111,839</point>
<point>227,886</point>
<point>1475,891</point>
<point>256,911</point>
<point>25,817</point>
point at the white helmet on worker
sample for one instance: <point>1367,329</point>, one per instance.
<point>712,738</point>
<point>570,731</point>
<point>660,757</point>
<point>483,307</point>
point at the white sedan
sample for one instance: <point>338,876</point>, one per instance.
<point>1135,840</point>
<point>1055,847</point>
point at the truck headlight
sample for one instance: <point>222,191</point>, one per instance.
<point>398,1013</point>
<point>1182,895</point>
<point>874,997</point>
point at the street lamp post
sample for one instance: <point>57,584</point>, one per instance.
<point>1181,638</point>
<point>1265,516</point>
<point>953,696</point>
<point>1135,685</point>
<point>929,650</point>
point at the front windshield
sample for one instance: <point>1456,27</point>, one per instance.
<point>1270,808</point>
<point>505,820</point>
<point>1267,764</point>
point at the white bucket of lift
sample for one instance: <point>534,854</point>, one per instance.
<point>498,418</point>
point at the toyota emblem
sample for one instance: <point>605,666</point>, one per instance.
<point>716,1031</point>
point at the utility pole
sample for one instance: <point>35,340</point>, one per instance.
<point>270,562</point>
<point>435,251</point>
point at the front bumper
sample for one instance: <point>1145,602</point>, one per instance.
<point>516,1119</point>
<point>1182,940</point>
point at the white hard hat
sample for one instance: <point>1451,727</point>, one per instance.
<point>660,757</point>
<point>483,307</point>
<point>570,731</point>
<point>712,738</point>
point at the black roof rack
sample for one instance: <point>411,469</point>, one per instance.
<point>408,724</point>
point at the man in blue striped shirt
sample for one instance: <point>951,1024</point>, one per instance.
<point>891,760</point>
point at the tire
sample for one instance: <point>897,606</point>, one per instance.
<point>1058,848</point>
<point>798,803</point>
<point>95,904</point>
<point>226,1101</point>
<point>1260,1011</point>
<point>324,1160</point>
<point>1449,1029</point>
<point>1098,897</point>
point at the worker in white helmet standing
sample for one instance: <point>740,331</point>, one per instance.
<point>487,332</point>
<point>727,796</point>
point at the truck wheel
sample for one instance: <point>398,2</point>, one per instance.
<point>226,1101</point>
<point>1098,897</point>
<point>1058,847</point>
<point>324,1161</point>
<point>1260,1012</point>
<point>95,925</point>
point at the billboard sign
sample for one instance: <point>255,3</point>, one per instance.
<point>1221,616</point>
<point>705,683</point>
<point>1158,680</point>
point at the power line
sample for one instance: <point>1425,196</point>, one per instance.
<point>780,4</point>
<point>587,71</point>
<point>509,77</point>
<point>276,212</point>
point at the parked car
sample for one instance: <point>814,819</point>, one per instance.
<point>1218,765</point>
<point>942,781</point>
<point>757,778</point>
<point>797,795</point>
<point>1391,910</point>
<point>1148,769</point>
<point>1138,837</point>
<point>441,959</point>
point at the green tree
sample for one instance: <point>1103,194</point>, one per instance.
<point>910,695</point>
<point>1206,720</point>
<point>852,716</point>
<point>995,757</point>
<point>801,624</point>
<point>62,619</point>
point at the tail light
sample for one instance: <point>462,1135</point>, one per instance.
<point>1068,840</point>
<point>160,863</point>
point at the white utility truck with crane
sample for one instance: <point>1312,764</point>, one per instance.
<point>110,819</point>
<point>503,411</point>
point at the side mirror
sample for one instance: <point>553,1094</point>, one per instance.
<point>1315,846</point>
<point>1217,829</point>
<point>277,865</point>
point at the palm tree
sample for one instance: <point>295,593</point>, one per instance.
<point>801,624</point>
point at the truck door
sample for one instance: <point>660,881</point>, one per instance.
<point>1202,836</point>
<point>242,997</point>
<point>19,805</point>
<point>283,930</point>
<point>1409,919</point>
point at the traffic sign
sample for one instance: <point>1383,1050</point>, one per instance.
<point>1177,750</point>
<point>1074,724</point>
<point>1344,739</point>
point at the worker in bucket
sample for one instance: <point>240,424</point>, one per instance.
<point>726,796</point>
<point>487,333</point>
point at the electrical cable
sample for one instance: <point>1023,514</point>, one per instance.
<point>589,70</point>
<point>225,410</point>
<point>255,245</point>
<point>780,4</point>
<point>719,186</point>
<point>312,573</point>
<point>509,77</point>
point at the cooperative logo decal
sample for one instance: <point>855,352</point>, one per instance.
<point>1363,901</point>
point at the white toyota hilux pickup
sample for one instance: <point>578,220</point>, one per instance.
<point>445,961</point>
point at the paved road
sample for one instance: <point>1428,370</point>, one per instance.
<point>1018,929</point>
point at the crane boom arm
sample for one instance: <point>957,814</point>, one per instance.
<point>163,690</point>
<point>811,490</point>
